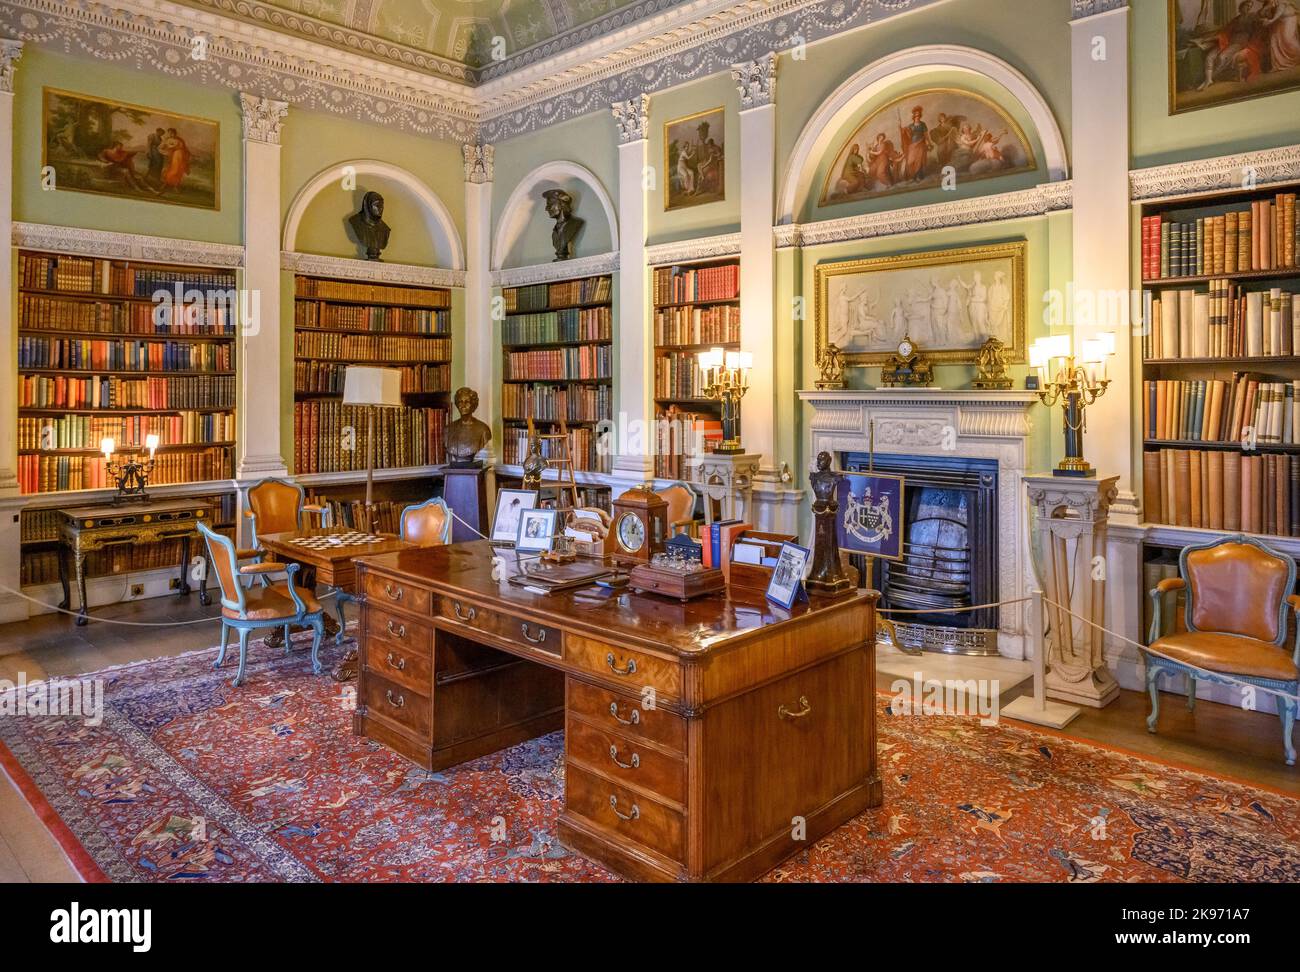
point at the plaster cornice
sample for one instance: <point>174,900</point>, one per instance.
<point>125,246</point>
<point>1223,173</point>
<point>688,251</point>
<point>370,271</point>
<point>589,266</point>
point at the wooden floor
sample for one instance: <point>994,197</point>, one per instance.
<point>1215,739</point>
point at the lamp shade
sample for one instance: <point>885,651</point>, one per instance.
<point>372,386</point>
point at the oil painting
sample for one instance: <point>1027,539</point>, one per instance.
<point>694,160</point>
<point>1231,50</point>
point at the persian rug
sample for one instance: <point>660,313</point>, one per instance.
<point>190,780</point>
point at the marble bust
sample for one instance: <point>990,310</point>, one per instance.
<point>368,225</point>
<point>559,206</point>
<point>466,436</point>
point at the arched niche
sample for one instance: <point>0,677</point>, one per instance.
<point>407,200</point>
<point>524,230</point>
<point>820,135</point>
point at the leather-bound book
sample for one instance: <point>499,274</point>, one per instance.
<point>1293,522</point>
<point>1213,467</point>
<point>1282,496</point>
<point>1267,498</point>
<point>1232,490</point>
<point>1194,488</point>
<point>1182,487</point>
<point>1151,486</point>
<point>1166,486</point>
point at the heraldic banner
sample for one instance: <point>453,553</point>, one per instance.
<point>871,514</point>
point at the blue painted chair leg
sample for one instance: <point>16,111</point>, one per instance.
<point>1191,692</point>
<point>243,657</point>
<point>225,636</point>
<point>1153,688</point>
<point>318,625</point>
<point>1286,712</point>
<point>286,640</point>
<point>343,624</point>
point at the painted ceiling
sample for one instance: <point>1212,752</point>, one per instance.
<point>459,39</point>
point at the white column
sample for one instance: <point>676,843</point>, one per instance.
<point>1099,76</point>
<point>12,608</point>
<point>261,452</point>
<point>480,344</point>
<point>634,459</point>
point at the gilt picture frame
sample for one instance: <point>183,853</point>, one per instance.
<point>948,302</point>
<point>1220,53</point>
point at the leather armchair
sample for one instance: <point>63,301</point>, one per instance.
<point>426,524</point>
<point>681,508</point>
<point>1239,594</point>
<point>275,506</point>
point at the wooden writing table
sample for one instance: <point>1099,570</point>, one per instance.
<point>703,741</point>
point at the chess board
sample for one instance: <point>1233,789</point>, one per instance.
<point>331,540</point>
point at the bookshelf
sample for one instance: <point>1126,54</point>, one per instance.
<point>557,347</point>
<point>343,322</point>
<point>1220,408</point>
<point>696,307</point>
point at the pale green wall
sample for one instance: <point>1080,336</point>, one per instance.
<point>1157,137</point>
<point>41,68</point>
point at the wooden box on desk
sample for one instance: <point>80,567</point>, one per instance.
<point>755,577</point>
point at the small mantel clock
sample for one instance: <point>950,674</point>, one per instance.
<point>640,525</point>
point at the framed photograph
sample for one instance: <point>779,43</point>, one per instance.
<point>1231,50</point>
<point>870,518</point>
<point>536,530</point>
<point>948,302</point>
<point>908,143</point>
<point>786,585</point>
<point>694,160</point>
<point>511,504</point>
<point>113,148</point>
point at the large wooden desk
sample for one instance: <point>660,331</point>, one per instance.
<point>704,741</point>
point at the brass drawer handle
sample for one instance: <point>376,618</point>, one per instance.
<point>635,764</point>
<point>785,712</point>
<point>396,630</point>
<point>461,615</point>
<point>394,593</point>
<point>633,720</point>
<point>628,669</point>
<point>396,703</point>
<point>613,805</point>
<point>528,637</point>
<point>400,664</point>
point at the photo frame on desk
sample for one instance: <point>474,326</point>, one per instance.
<point>511,504</point>
<point>537,529</point>
<point>786,586</point>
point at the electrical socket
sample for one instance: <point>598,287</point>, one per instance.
<point>137,590</point>
<point>174,584</point>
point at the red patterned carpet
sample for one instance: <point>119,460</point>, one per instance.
<point>188,779</point>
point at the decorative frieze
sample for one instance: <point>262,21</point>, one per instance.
<point>590,266</point>
<point>756,81</point>
<point>632,118</point>
<point>1089,8</point>
<point>11,51</point>
<point>687,251</point>
<point>478,162</point>
<point>263,118</point>
<point>1245,170</point>
<point>370,271</point>
<point>125,246</point>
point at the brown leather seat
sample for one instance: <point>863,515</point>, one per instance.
<point>1230,654</point>
<point>426,524</point>
<point>272,604</point>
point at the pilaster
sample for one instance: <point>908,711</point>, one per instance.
<point>480,327</point>
<point>12,608</point>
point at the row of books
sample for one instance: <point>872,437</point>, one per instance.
<point>331,437</point>
<point>1227,321</point>
<point>100,317</point>
<point>1261,237</point>
<point>327,377</point>
<point>1216,490</point>
<point>42,566</point>
<point>85,275</point>
<point>404,320</point>
<point>719,324</point>
<point>1249,408</point>
<point>588,361</point>
<point>553,327</point>
<point>680,435</point>
<point>677,375</point>
<point>386,515</point>
<point>550,403</point>
<point>564,293</point>
<point>675,285</point>
<point>127,431</point>
<point>200,391</point>
<point>78,354</point>
<point>584,449</point>
<point>46,473</point>
<point>371,293</point>
<point>367,347</point>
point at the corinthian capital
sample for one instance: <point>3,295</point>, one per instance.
<point>478,162</point>
<point>632,117</point>
<point>10,53</point>
<point>262,118</point>
<point>756,81</point>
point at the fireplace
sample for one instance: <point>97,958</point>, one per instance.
<point>950,552</point>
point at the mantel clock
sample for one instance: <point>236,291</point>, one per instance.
<point>640,525</point>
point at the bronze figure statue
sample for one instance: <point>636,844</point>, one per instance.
<point>559,206</point>
<point>466,436</point>
<point>534,463</point>
<point>992,363</point>
<point>368,225</point>
<point>830,368</point>
<point>828,575</point>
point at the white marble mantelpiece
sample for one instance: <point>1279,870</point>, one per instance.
<point>966,423</point>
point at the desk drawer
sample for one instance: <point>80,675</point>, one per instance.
<point>530,634</point>
<point>616,808</point>
<point>412,636</point>
<point>386,592</point>
<point>624,715</point>
<point>637,668</point>
<point>397,704</point>
<point>625,760</point>
<point>411,669</point>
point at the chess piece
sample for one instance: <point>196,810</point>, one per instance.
<point>368,225</point>
<point>559,206</point>
<point>828,575</point>
<point>992,363</point>
<point>467,436</point>
<point>830,368</point>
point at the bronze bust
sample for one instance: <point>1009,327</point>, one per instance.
<point>559,206</point>
<point>368,225</point>
<point>466,436</point>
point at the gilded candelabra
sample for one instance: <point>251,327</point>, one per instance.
<point>1077,384</point>
<point>726,379</point>
<point>131,472</point>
